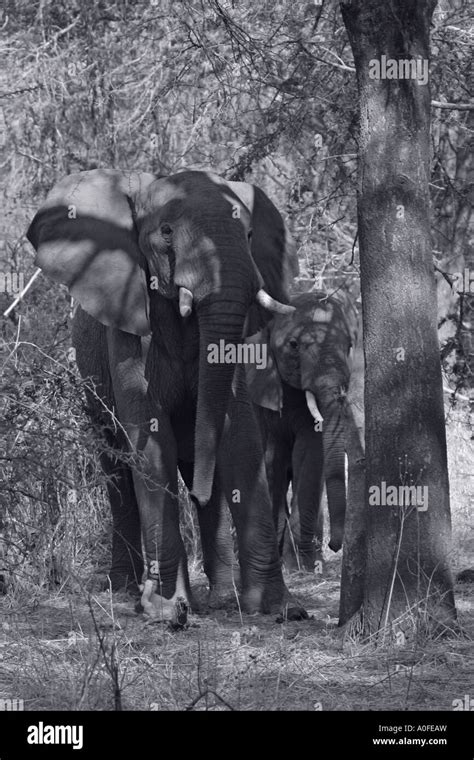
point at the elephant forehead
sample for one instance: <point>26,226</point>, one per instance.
<point>240,195</point>
<point>243,190</point>
<point>322,314</point>
<point>135,184</point>
<point>160,193</point>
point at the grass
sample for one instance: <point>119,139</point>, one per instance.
<point>57,652</point>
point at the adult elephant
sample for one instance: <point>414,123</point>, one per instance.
<point>163,271</point>
<point>300,402</point>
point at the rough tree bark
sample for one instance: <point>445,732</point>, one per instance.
<point>407,584</point>
<point>353,565</point>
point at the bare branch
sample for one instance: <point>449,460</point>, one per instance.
<point>20,296</point>
<point>453,106</point>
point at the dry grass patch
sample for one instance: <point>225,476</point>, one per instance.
<point>59,655</point>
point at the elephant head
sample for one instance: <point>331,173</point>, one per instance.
<point>123,240</point>
<point>310,350</point>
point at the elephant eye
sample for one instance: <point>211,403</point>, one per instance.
<point>165,229</point>
<point>293,343</point>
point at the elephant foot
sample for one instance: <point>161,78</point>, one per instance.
<point>292,612</point>
<point>291,609</point>
<point>222,597</point>
<point>159,609</point>
<point>280,602</point>
<point>335,542</point>
<point>224,586</point>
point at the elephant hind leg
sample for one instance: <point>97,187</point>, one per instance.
<point>127,559</point>
<point>90,342</point>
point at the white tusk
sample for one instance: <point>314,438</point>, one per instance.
<point>272,304</point>
<point>185,302</point>
<point>313,407</point>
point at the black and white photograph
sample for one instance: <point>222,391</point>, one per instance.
<point>237,369</point>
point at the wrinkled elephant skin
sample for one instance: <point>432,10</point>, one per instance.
<point>300,399</point>
<point>164,271</point>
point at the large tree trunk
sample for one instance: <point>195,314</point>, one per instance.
<point>355,529</point>
<point>408,583</point>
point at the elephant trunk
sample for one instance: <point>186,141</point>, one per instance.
<point>326,404</point>
<point>334,469</point>
<point>221,322</point>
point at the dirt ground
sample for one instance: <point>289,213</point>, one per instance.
<point>66,647</point>
<point>80,652</point>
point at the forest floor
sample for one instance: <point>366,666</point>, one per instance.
<point>71,648</point>
<point>69,651</point>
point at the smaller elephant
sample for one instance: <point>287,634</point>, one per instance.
<point>299,397</point>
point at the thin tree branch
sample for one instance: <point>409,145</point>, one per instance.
<point>20,296</point>
<point>453,106</point>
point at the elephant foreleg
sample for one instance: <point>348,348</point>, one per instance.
<point>156,487</point>
<point>303,538</point>
<point>278,467</point>
<point>150,437</point>
<point>242,472</point>
<point>277,444</point>
<point>216,541</point>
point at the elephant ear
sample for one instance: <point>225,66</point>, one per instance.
<point>263,380</point>
<point>240,195</point>
<point>85,238</point>
<point>352,320</point>
<point>272,248</point>
<point>274,253</point>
